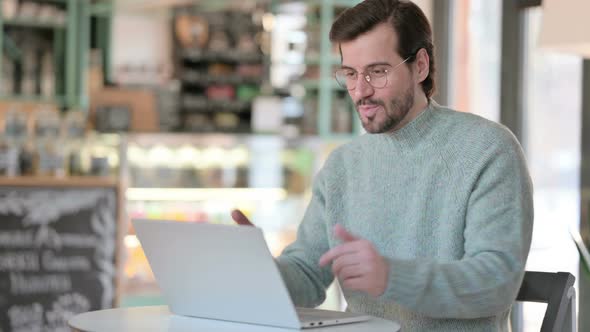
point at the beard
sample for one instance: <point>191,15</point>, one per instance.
<point>394,112</point>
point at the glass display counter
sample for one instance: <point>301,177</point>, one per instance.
<point>201,178</point>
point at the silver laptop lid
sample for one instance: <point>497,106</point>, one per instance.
<point>221,272</point>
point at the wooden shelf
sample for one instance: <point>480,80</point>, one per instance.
<point>32,23</point>
<point>222,56</point>
<point>202,104</point>
<point>196,78</point>
<point>49,181</point>
<point>32,99</point>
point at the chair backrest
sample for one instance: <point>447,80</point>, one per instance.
<point>555,289</point>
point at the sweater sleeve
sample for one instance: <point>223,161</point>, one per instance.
<point>298,263</point>
<point>497,234</point>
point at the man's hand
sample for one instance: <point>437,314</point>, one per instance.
<point>357,264</point>
<point>240,218</point>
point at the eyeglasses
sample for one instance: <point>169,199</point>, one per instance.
<point>375,75</point>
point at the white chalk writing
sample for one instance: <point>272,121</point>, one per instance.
<point>64,308</point>
<point>48,237</point>
<point>19,261</point>
<point>49,283</point>
<point>64,263</point>
<point>26,317</point>
<point>73,240</point>
<point>42,207</point>
<point>40,212</point>
<point>16,239</point>
<point>103,223</point>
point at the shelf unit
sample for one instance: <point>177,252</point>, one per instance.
<point>323,96</point>
<point>70,40</point>
<point>218,84</point>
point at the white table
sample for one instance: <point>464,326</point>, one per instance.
<point>159,318</point>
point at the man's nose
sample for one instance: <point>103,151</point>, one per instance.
<point>363,88</point>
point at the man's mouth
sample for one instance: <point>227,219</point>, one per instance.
<point>368,111</point>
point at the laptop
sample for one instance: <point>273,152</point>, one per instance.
<point>225,272</point>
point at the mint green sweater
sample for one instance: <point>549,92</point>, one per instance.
<point>447,199</point>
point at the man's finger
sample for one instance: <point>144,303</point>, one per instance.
<point>342,234</point>
<point>343,261</point>
<point>349,272</point>
<point>336,252</point>
<point>240,218</point>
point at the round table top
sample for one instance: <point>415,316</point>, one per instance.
<point>159,318</point>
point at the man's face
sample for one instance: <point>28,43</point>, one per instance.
<point>380,109</point>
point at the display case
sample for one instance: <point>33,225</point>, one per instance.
<point>194,178</point>
<point>201,178</point>
<point>43,51</point>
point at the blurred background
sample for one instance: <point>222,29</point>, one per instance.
<point>189,108</point>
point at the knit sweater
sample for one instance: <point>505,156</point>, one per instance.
<point>447,200</point>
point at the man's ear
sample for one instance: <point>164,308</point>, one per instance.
<point>422,65</point>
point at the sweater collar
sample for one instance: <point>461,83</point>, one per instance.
<point>414,131</point>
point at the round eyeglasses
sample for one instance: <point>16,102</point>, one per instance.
<point>375,75</point>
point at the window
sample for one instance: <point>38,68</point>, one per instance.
<point>551,138</point>
<point>475,57</point>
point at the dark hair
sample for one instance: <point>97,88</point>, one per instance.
<point>407,20</point>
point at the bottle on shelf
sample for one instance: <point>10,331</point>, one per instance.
<point>47,84</point>
<point>12,141</point>
<point>29,70</point>
<point>7,77</point>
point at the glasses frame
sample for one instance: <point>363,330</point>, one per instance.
<point>367,77</point>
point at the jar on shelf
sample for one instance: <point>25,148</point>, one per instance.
<point>12,140</point>
<point>73,132</point>
<point>49,157</point>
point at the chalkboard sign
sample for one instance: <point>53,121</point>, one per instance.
<point>57,255</point>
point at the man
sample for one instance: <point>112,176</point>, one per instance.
<point>427,219</point>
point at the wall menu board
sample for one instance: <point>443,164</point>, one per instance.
<point>57,254</point>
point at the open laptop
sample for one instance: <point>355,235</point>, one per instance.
<point>224,272</point>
